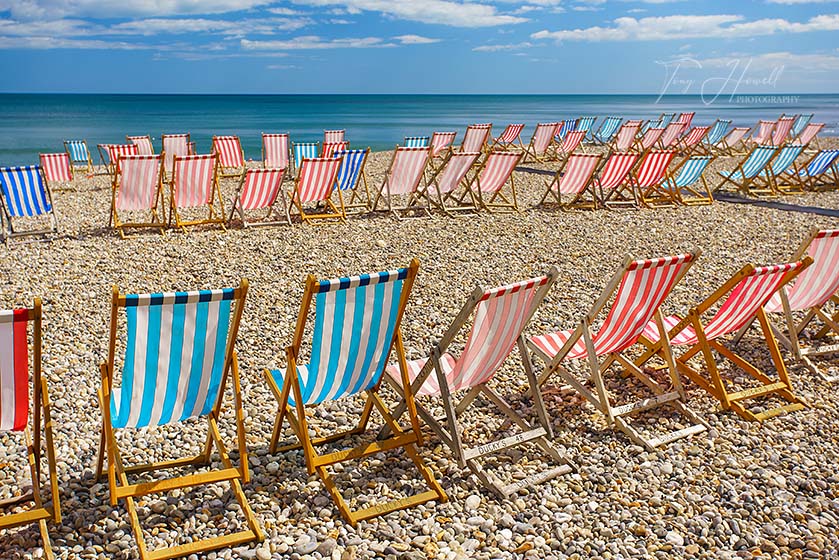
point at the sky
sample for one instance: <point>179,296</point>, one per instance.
<point>419,46</point>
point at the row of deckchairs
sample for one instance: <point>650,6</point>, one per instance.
<point>772,170</point>
<point>357,346</point>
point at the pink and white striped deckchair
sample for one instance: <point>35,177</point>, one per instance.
<point>476,137</point>
<point>57,168</point>
<point>626,136</point>
<point>539,147</point>
<point>275,151</point>
<point>487,185</point>
<point>781,130</point>
<point>570,143</point>
<point>500,316</point>
<point>613,175</point>
<point>143,143</point>
<point>648,180</point>
<point>315,183</point>
<point>691,141</point>
<point>15,427</point>
<point>231,157</point>
<point>194,184</point>
<point>137,187</point>
<point>639,288</point>
<point>174,145</point>
<point>575,179</point>
<point>449,181</point>
<point>405,177</point>
<point>671,134</point>
<point>747,292</point>
<point>686,119</point>
<point>508,138</point>
<point>762,133</point>
<point>328,149</point>
<point>809,134</point>
<point>650,138</point>
<point>259,189</point>
<point>333,136</point>
<point>732,140</point>
<point>441,143</point>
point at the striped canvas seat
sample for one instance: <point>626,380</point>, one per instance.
<point>565,127</point>
<point>405,176</point>
<point>648,180</point>
<point>79,154</point>
<point>749,168</point>
<point>356,329</point>
<point>14,370</point>
<point>671,134</point>
<point>488,184</point>
<point>315,183</point>
<point>352,178</point>
<point>624,140</point>
<point>510,135</point>
<point>416,141</point>
<point>174,145</point>
<point>304,150</point>
<point>770,180</point>
<point>275,150</point>
<point>137,186</point>
<point>570,143</point>
<point>110,154</point>
<point>585,123</point>
<point>260,189</point>
<point>782,130</point>
<point>763,133</point>
<point>688,183</point>
<point>333,136</point>
<point>743,298</point>
<point>449,181</point>
<point>693,139</point>
<point>143,143</point>
<point>195,185</point>
<point>56,167</point>
<point>329,148</point>
<point>650,138</point>
<point>808,134</point>
<point>820,171</point>
<point>475,139</point>
<point>732,140</point>
<point>717,132</point>
<point>440,142</point>
<point>541,140</point>
<point>25,194</point>
<point>231,157</point>
<point>614,174</point>
<point>574,180</point>
<point>607,129</point>
<point>686,119</point>
<point>800,124</point>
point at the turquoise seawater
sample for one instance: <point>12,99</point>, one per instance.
<point>34,123</point>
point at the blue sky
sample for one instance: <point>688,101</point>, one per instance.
<point>415,46</point>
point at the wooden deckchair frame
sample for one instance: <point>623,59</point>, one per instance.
<point>118,482</point>
<point>40,403</point>
<point>156,221</point>
<point>214,216</point>
<point>73,167</point>
<point>296,415</point>
<point>579,200</point>
<point>714,383</point>
<point>419,193</point>
<point>674,396</point>
<point>271,217</point>
<point>694,197</point>
<point>331,211</point>
<point>7,226</point>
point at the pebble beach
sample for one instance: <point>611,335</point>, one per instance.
<point>738,490</point>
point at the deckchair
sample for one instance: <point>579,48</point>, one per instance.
<point>328,149</point>
<point>649,139</point>
<point>648,181</point>
<point>687,182</point>
<point>441,142</point>
<point>575,179</point>
<point>686,119</point>
<point>351,177</point>
<point>639,288</point>
<point>405,176</point>
<point>476,137</point>
<point>607,130</point>
<point>143,143</point>
<point>356,330</point>
<point>566,126</point>
<point>800,124</point>
<point>56,168</point>
<point>508,138</point>
<point>762,133</point>
<point>715,135</point>
<point>261,190</point>
<point>194,184</point>
<point>625,138</point>
<point>303,150</point>
<point>572,141</point>
<point>500,316</point>
<point>174,145</point>
<point>540,142</point>
<point>79,154</point>
<point>733,140</point>
<point>614,175</point>
<point>782,130</point>
<point>767,182</point>
<point>665,119</point>
<point>585,124</point>
<point>179,353</point>
<point>416,141</point>
<point>818,173</point>
<point>332,136</point>
<point>745,295</point>
<point>692,141</point>
<point>231,157</point>
<point>315,183</point>
<point>110,153</point>
<point>808,134</point>
<point>487,185</point>
<point>449,182</point>
<point>26,197</point>
<point>275,150</point>
<point>670,135</point>
<point>137,187</point>
<point>15,404</point>
<point>653,123</point>
<point>748,169</point>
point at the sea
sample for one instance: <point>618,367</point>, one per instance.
<point>35,123</point>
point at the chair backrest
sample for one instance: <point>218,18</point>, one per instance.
<point>757,160</point>
<point>818,282</point>
<point>355,326</point>
<point>800,123</point>
<point>626,136</point>
<point>14,365</point>
<point>511,134</point>
<point>651,137</point>
<point>137,181</point>
<point>229,151</point>
<point>24,191</point>
<point>260,188</point>
<point>764,132</point>
<point>820,163</point>
<point>178,346</point>
<point>671,134</point>
<point>572,141</point>
<point>695,136</point>
<point>352,166</point>
<point>56,167</point>
<point>608,128</point>
<point>307,150</point>
<point>785,157</point>
<point>143,143</point>
<point>115,151</point>
<point>174,145</point>
<point>329,148</point>
<point>331,136</point>
<point>193,179</point>
<point>566,126</point>
<point>717,131</point>
<point>691,170</point>
<point>577,173</point>
<point>317,178</point>
<point>275,150</point>
<point>810,131</point>
<point>616,169</point>
<point>457,166</point>
<point>476,137</point>
<point>733,137</point>
<point>497,170</point>
<point>782,130</point>
<point>406,169</point>
<point>77,150</point>
<point>653,168</point>
<point>543,136</point>
<point>440,141</point>
<point>416,141</point>
<point>585,123</point>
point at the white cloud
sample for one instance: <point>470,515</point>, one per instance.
<point>155,26</point>
<point>415,40</point>
<point>499,48</point>
<point>313,42</point>
<point>441,12</point>
<point>53,9</point>
<point>43,42</point>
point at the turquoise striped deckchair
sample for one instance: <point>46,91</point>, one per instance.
<point>25,194</point>
<point>767,182</point>
<point>178,355</point>
<point>351,175</point>
<point>79,154</point>
<point>356,328</point>
<point>687,182</point>
<point>749,168</point>
<point>820,172</point>
<point>416,141</point>
<point>304,150</point>
<point>801,121</point>
<point>607,130</point>
<point>717,133</point>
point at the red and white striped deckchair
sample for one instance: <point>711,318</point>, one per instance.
<point>762,133</point>
<point>143,143</point>
<point>57,168</point>
<point>734,139</point>
<point>110,153</point>
<point>691,141</point>
<point>260,189</point>
<point>275,151</point>
<point>626,136</point>
<point>137,187</point>
<point>16,429</point>
<point>231,157</point>
<point>441,143</point>
<point>174,145</point>
<point>405,177</point>
<point>315,183</point>
<point>333,136</point>
<point>809,134</point>
<point>572,141</point>
<point>508,138</point>
<point>450,183</point>
<point>613,175</point>
<point>747,292</point>
<point>671,134</point>
<point>650,138</point>
<point>328,149</point>
<point>575,179</point>
<point>686,119</point>
<point>639,288</point>
<point>194,184</point>
<point>500,316</point>
<point>782,130</point>
<point>476,137</point>
<point>487,185</point>
<point>539,147</point>
<point>649,179</point>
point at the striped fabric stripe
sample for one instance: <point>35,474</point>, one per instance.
<point>304,150</point>
<point>275,150</point>
<point>543,136</point>
<point>691,171</point>
<point>800,124</point>
<point>329,148</point>
<point>585,123</point>
<point>764,132</point>
<point>137,182</point>
<point>608,128</point>
<point>406,170</point>
<point>785,158</point>
<point>78,151</point>
<point>174,357</point>
<point>14,370</point>
<point>440,141</point>
<point>644,286</point>
<point>317,178</point>
<point>651,137</point>
<point>754,164</point>
<point>229,151</point>
<point>476,137</point>
<point>261,188</point>
<point>497,170</point>
<point>616,169</point>
<point>782,129</point>
<point>736,134</point>
<point>456,169</point>
<point>671,134</point>
<point>333,136</point>
<point>717,131</point>
<point>193,180</point>
<point>578,172</point>
<point>416,141</point>
<point>174,145</point>
<point>819,282</point>
<point>56,167</point>
<point>24,191</point>
<point>354,330</point>
<point>143,143</point>
<point>572,141</point>
<point>819,164</point>
<point>510,134</point>
<point>352,165</point>
<point>810,131</point>
<point>626,136</point>
<point>115,151</point>
<point>695,136</point>
<point>653,168</point>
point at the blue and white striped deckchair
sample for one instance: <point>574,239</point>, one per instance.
<point>25,194</point>
<point>351,174</point>
<point>356,328</point>
<point>79,154</point>
<point>307,150</point>
<point>665,119</point>
<point>178,356</point>
<point>586,124</point>
<point>416,141</point>
<point>607,130</point>
<point>819,172</point>
<point>800,123</point>
<point>717,133</point>
<point>766,182</point>
<point>749,168</point>
<point>687,182</point>
<point>566,126</point>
